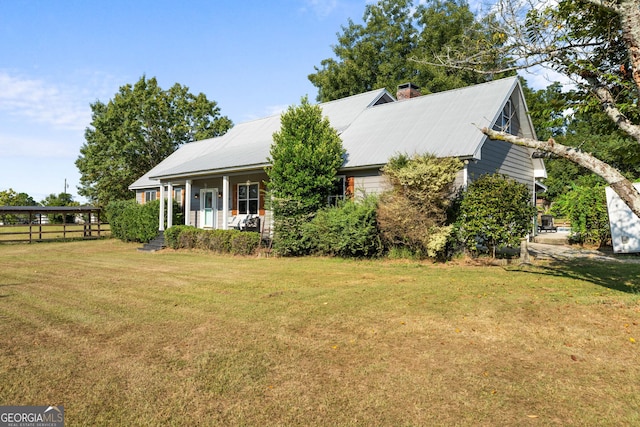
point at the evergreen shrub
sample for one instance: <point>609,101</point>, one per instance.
<point>347,230</point>
<point>495,211</point>
<point>133,222</point>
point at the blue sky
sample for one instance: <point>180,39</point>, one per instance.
<point>57,57</point>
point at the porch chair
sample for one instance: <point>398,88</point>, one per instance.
<point>546,224</point>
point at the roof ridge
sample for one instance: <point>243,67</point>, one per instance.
<point>458,89</point>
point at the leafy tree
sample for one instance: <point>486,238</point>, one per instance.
<point>413,214</point>
<point>557,114</point>
<point>495,211</point>
<point>594,43</point>
<point>136,130</point>
<point>62,199</point>
<point>586,207</point>
<point>12,198</point>
<point>379,52</point>
<point>305,156</point>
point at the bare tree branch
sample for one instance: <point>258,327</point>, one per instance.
<point>614,113</point>
<point>621,185</point>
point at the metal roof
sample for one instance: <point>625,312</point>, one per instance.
<point>444,124</point>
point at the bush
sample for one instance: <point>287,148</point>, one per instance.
<point>219,241</point>
<point>133,222</point>
<point>586,208</point>
<point>222,241</point>
<point>495,211</point>
<point>290,220</point>
<point>413,214</point>
<point>172,235</point>
<point>243,242</point>
<point>348,230</point>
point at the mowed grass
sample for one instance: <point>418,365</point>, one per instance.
<point>121,337</point>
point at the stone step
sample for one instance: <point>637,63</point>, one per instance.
<point>155,244</point>
<point>558,238</point>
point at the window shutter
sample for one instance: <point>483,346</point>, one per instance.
<point>261,194</point>
<point>142,197</point>
<point>350,190</point>
<point>234,200</point>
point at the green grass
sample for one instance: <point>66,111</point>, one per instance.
<point>121,337</point>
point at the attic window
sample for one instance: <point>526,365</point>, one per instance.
<point>505,122</point>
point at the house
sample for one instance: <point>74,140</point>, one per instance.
<point>219,180</point>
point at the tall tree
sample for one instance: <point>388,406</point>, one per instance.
<point>557,114</point>
<point>305,157</point>
<point>62,199</point>
<point>136,130</point>
<point>595,43</point>
<point>12,198</point>
<point>378,53</point>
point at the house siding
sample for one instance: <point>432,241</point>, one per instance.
<point>366,182</point>
<point>502,157</point>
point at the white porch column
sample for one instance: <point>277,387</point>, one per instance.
<point>187,202</point>
<point>225,201</point>
<point>161,219</point>
<point>169,205</point>
<point>465,174</point>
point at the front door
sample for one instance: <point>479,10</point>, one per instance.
<point>209,207</point>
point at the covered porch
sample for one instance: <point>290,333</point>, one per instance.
<point>214,202</point>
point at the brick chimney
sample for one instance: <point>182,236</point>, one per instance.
<point>407,90</point>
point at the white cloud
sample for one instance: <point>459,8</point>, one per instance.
<point>322,8</point>
<point>541,77</point>
<point>273,110</point>
<point>30,146</point>
<point>43,102</point>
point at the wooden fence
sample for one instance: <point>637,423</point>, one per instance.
<point>30,224</point>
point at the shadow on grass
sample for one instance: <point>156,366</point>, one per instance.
<point>619,276</point>
<point>7,285</point>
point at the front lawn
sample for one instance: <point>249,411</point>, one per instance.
<point>121,337</point>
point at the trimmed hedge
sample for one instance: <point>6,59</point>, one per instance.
<point>133,222</point>
<point>233,242</point>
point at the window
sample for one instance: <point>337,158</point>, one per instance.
<point>337,194</point>
<point>177,195</point>
<point>504,123</point>
<point>149,195</point>
<point>248,198</point>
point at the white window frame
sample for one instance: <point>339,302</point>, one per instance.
<point>177,195</point>
<point>248,199</point>
<point>150,195</point>
<point>506,118</point>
